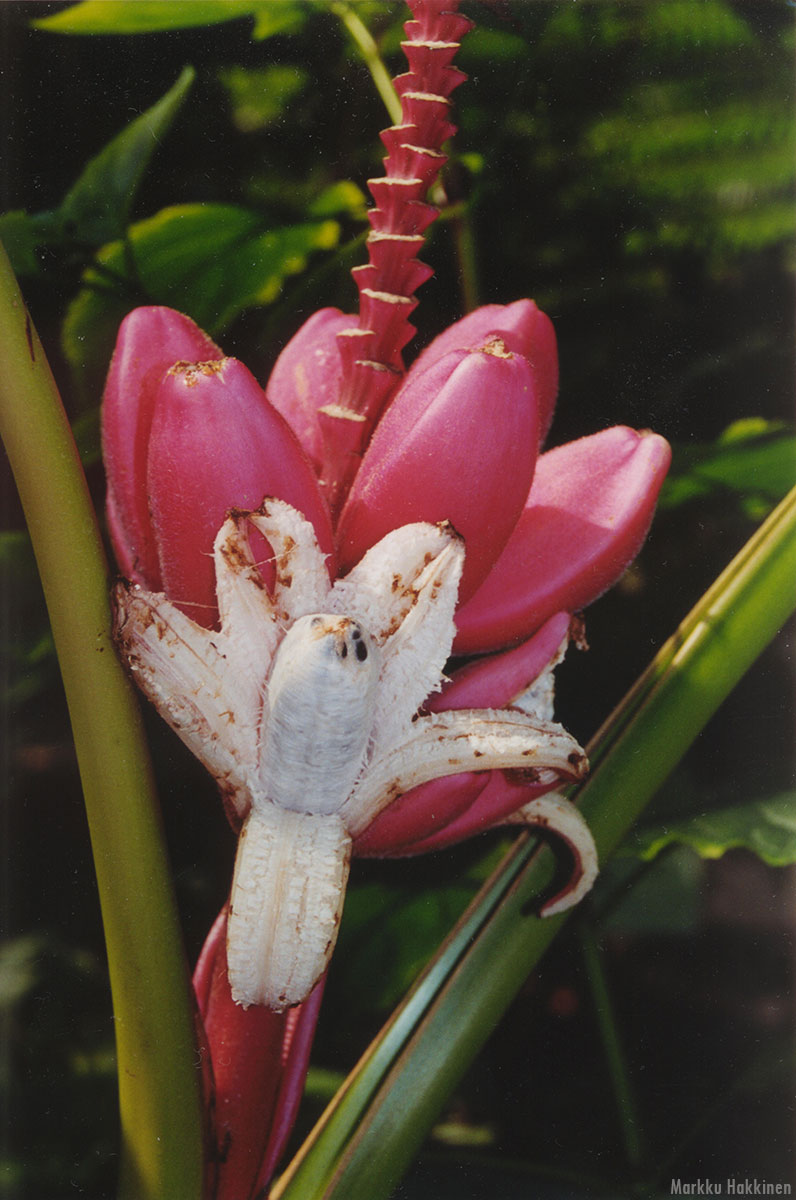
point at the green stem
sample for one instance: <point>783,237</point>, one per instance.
<point>361,37</point>
<point>159,1085</point>
<point>372,1130</point>
<point>466,258</point>
<point>612,1045</point>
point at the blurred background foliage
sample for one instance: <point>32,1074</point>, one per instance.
<point>628,164</point>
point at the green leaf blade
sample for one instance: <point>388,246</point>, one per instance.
<point>210,261</point>
<point>153,16</point>
<point>97,207</point>
<point>765,827</point>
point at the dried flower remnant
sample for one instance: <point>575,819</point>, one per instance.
<point>304,706</point>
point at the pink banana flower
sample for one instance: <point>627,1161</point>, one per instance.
<point>362,447</point>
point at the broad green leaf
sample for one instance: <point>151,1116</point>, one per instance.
<point>88,335</point>
<point>665,898</point>
<point>712,24</point>
<point>154,16</point>
<point>210,261</point>
<point>23,233</point>
<point>18,235</point>
<point>754,458</point>
<point>387,935</point>
<point>259,96</point>
<point>766,827</point>
<point>213,260</point>
<point>20,968</point>
<point>97,207</point>
<point>342,197</point>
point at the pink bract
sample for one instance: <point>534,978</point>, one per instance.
<point>586,516</point>
<point>440,453</point>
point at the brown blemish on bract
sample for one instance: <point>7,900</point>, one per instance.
<point>284,573</point>
<point>577,632</point>
<point>523,775</point>
<point>238,560</point>
<point>496,347</point>
<point>392,792</point>
<point>194,371</point>
<point>228,793</point>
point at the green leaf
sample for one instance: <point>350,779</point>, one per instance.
<point>388,933</point>
<point>213,260</point>
<point>766,827</point>
<point>342,197</point>
<point>97,206</point>
<point>210,261</point>
<point>664,898</point>
<point>23,233</point>
<point>17,233</point>
<point>20,969</point>
<point>153,16</point>
<point>259,96</point>
<point>754,458</point>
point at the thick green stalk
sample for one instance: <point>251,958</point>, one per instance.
<point>372,1130</point>
<point>159,1085</point>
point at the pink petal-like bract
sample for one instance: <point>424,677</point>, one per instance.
<point>307,377</point>
<point>259,1061</point>
<point>458,443</point>
<point>524,328</point>
<point>150,340</point>
<point>587,514</point>
<point>216,444</point>
<point>430,809</point>
<point>419,813</point>
<point>496,681</point>
<point>501,797</point>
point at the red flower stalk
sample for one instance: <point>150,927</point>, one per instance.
<point>370,351</point>
<point>189,435</point>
